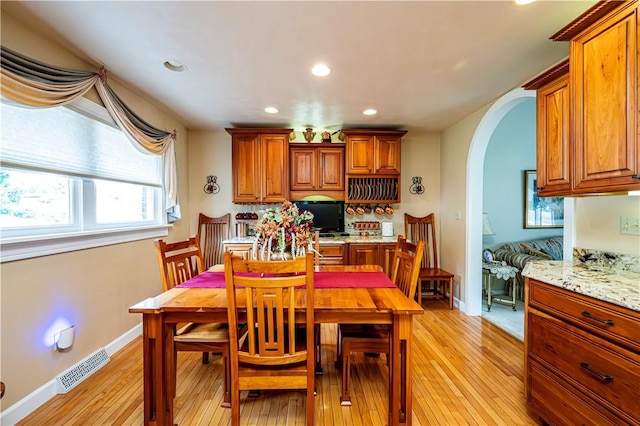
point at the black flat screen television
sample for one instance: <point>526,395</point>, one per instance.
<point>328,216</point>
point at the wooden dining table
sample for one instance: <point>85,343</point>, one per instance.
<point>353,302</point>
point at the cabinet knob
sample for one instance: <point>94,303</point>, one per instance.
<point>635,177</point>
<point>540,188</point>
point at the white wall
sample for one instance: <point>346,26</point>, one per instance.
<point>598,223</point>
<point>455,145</point>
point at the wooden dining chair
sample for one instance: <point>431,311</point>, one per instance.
<point>375,338</point>
<point>179,262</point>
<point>268,353</point>
<point>212,231</point>
<point>434,283</point>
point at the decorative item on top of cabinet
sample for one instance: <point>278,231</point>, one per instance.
<point>604,100</point>
<point>260,164</point>
<point>316,169</point>
<point>373,152</point>
<point>553,148</point>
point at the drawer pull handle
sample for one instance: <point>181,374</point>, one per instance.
<point>588,315</point>
<point>603,377</point>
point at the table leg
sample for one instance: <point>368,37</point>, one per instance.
<point>157,368</point>
<point>400,371</point>
<point>486,276</point>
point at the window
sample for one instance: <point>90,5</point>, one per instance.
<point>70,179</point>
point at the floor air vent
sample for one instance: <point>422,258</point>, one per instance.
<point>78,373</point>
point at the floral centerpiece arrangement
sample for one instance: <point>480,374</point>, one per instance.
<point>283,232</point>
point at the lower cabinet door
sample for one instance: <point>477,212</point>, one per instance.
<point>560,405</point>
<point>608,374</point>
<point>363,254</point>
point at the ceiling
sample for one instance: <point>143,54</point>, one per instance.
<point>423,65</point>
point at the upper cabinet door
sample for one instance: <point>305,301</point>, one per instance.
<point>604,85</point>
<point>246,168</point>
<point>331,169</point>
<point>275,167</point>
<point>387,155</point>
<point>303,169</point>
<point>360,154</point>
<point>553,141</point>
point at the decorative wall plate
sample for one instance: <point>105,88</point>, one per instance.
<point>487,255</point>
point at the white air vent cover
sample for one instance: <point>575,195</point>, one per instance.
<point>72,377</point>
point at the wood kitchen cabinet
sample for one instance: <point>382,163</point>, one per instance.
<point>316,169</point>
<point>373,152</point>
<point>386,257</point>
<point>364,253</point>
<point>260,164</point>
<point>244,250</point>
<point>372,254</point>
<point>332,253</point>
<point>582,358</point>
<point>553,144</point>
<point>603,82</point>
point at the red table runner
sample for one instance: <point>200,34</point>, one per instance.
<point>321,280</point>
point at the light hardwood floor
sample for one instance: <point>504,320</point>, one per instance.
<point>466,372</point>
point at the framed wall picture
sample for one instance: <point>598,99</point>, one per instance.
<point>541,212</point>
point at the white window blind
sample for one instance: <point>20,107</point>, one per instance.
<point>65,141</point>
<point>71,180</point>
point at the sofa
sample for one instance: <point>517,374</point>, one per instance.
<point>518,254</point>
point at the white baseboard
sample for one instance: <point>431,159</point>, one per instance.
<point>35,399</point>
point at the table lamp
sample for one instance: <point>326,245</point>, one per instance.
<point>486,225</point>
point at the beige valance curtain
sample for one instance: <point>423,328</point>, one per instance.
<point>37,84</point>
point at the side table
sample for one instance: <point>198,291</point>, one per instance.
<point>491,271</point>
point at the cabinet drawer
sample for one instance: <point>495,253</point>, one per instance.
<point>606,372</point>
<point>560,405</point>
<point>620,325</point>
<point>332,250</point>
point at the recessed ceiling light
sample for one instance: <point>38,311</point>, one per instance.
<point>271,110</point>
<point>522,2</point>
<point>174,65</point>
<point>370,111</point>
<point>321,70</point>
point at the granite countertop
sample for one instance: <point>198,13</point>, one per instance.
<point>607,283</point>
<point>334,240</point>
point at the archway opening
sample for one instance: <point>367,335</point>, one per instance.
<point>475,185</point>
